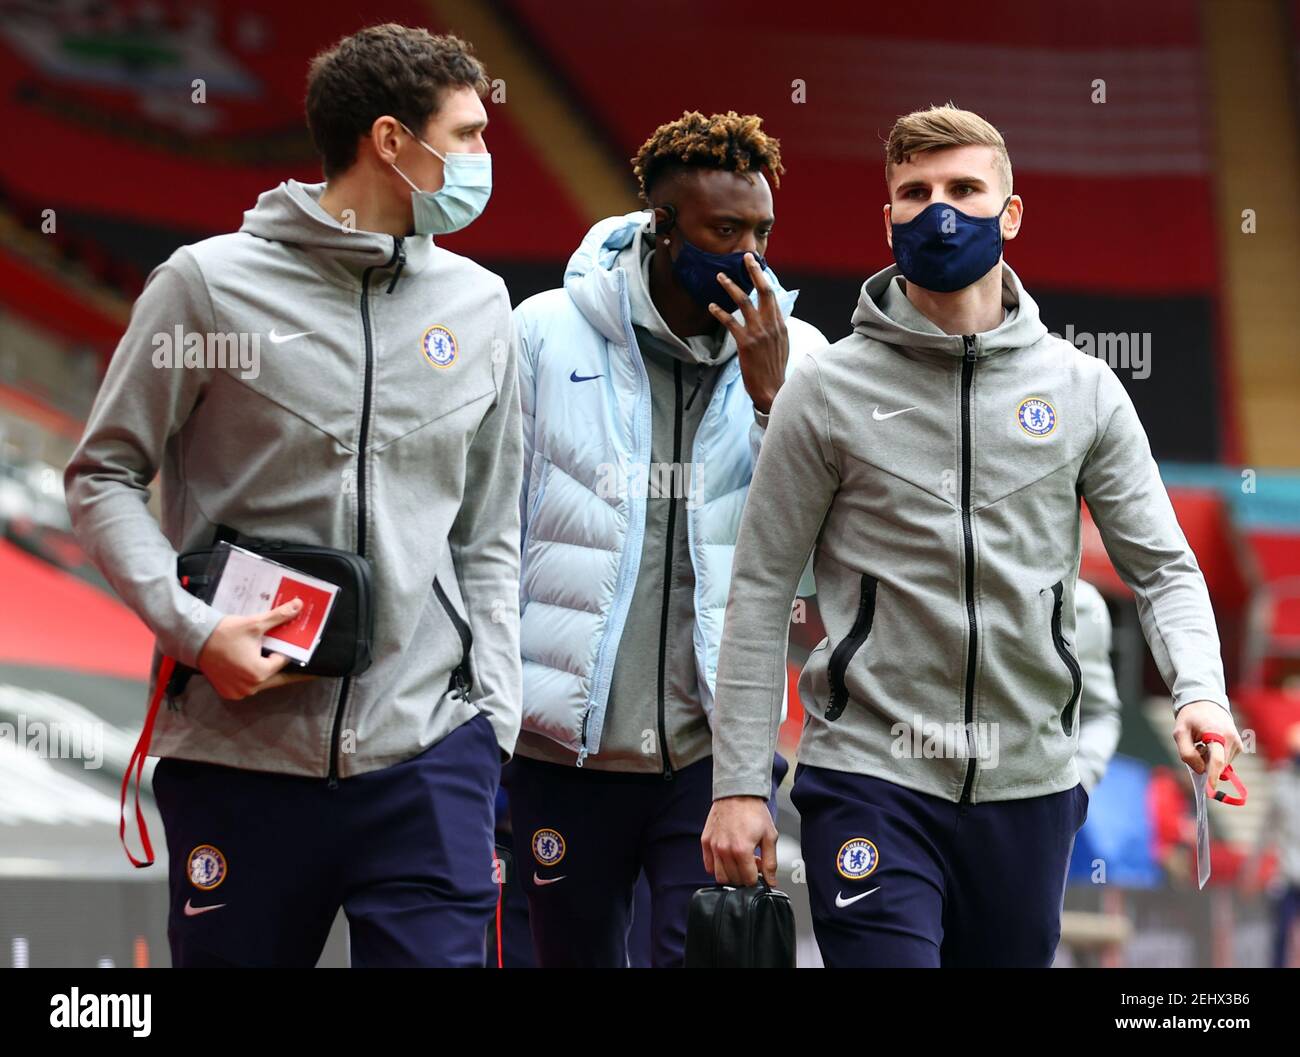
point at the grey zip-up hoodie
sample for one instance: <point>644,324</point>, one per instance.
<point>380,415</point>
<point>937,479</point>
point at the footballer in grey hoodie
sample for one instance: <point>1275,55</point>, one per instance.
<point>936,474</point>
<point>341,432</point>
<point>329,375</point>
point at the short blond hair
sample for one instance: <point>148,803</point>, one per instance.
<point>938,127</point>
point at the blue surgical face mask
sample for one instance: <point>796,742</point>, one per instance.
<point>943,249</point>
<point>466,187</point>
<point>697,271</point>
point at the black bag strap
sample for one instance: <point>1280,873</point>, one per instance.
<point>182,673</point>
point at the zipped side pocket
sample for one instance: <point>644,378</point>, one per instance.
<point>461,679</point>
<point>848,646</point>
<point>1076,675</point>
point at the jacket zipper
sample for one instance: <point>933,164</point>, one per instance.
<point>582,748</point>
<point>668,567</point>
<point>968,539</point>
<point>398,253</point>
<point>848,646</point>
<point>460,676</point>
<point>601,682</point>
<point>1076,674</point>
<point>401,263</point>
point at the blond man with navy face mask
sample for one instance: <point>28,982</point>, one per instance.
<point>933,462</point>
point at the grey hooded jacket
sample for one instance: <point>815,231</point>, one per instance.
<point>937,479</point>
<point>380,414</point>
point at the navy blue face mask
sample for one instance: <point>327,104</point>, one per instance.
<point>943,249</point>
<point>697,271</point>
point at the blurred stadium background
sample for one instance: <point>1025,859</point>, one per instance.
<point>1163,223</point>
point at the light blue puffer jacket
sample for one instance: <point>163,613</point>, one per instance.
<point>582,505</point>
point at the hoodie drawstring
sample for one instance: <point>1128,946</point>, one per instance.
<point>400,251</point>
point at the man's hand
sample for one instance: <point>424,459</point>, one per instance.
<point>1196,718</point>
<point>762,344</point>
<point>232,657</point>
<point>736,826</point>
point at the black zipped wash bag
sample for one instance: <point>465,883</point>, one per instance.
<point>740,928</point>
<point>348,637</point>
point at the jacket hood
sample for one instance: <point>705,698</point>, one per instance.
<point>291,213</point>
<point>597,284</point>
<point>885,314</point>
<point>709,350</point>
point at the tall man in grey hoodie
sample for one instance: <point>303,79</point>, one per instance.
<point>622,597</point>
<point>380,415</point>
<point>934,462</point>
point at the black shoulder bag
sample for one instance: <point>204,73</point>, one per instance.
<point>346,641</point>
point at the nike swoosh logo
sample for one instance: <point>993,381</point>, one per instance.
<point>875,413</point>
<point>547,881</point>
<point>279,339</point>
<point>840,901</point>
<point>575,377</point>
<point>192,911</point>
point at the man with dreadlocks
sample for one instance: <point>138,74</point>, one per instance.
<point>645,385</point>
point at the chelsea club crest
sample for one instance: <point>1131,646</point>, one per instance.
<point>207,867</point>
<point>439,346</point>
<point>1036,417</point>
<point>857,858</point>
<point>548,847</point>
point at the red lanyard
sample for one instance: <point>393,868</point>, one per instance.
<point>1227,772</point>
<point>138,756</point>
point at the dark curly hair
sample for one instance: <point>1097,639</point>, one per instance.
<point>383,69</point>
<point>731,142</point>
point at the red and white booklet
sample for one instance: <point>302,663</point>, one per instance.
<point>251,584</point>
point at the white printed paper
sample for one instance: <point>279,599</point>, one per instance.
<point>251,584</point>
<point>1199,784</point>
